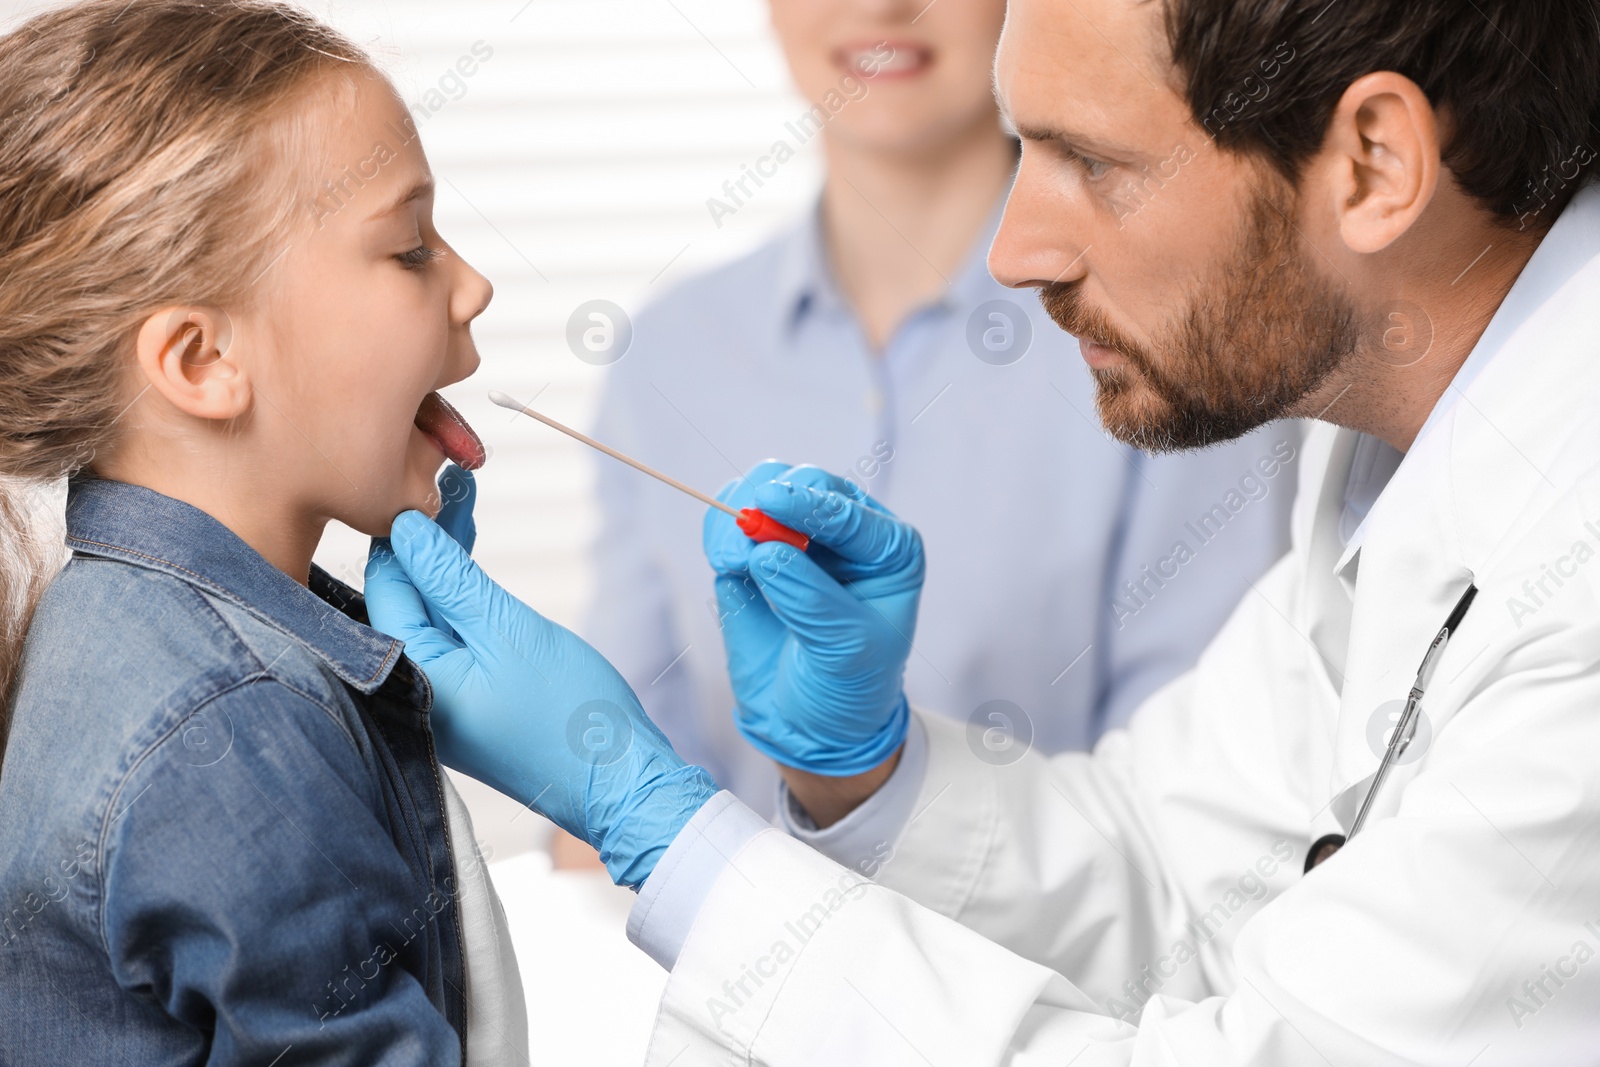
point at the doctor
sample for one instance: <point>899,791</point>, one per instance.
<point>1379,220</point>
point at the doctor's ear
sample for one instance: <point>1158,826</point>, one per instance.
<point>1380,159</point>
<point>185,354</point>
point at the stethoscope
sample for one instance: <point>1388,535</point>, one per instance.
<point>1404,730</point>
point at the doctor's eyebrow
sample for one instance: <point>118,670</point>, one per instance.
<point>1068,139</point>
<point>422,189</point>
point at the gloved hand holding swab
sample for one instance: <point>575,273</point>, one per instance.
<point>757,525</point>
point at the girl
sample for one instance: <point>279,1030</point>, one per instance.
<point>224,837</point>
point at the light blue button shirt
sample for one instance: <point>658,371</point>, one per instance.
<point>1068,575</point>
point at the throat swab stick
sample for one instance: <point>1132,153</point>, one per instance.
<point>756,524</point>
<point>506,401</point>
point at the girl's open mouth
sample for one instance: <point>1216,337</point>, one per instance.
<point>444,425</point>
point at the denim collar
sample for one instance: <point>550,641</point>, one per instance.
<point>136,525</point>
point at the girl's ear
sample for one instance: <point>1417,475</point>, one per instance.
<point>185,354</point>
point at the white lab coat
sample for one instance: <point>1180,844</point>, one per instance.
<point>1030,910</point>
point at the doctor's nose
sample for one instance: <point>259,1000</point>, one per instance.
<point>1035,245</point>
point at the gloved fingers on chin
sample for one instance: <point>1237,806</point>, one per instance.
<point>455,587</point>
<point>393,604</point>
<point>458,492</point>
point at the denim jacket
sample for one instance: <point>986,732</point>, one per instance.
<point>222,831</point>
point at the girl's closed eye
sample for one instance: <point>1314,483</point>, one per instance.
<point>419,257</point>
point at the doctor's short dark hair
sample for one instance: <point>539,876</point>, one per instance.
<point>1520,78</point>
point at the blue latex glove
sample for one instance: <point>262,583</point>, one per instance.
<point>529,708</point>
<point>817,641</point>
<point>458,494</point>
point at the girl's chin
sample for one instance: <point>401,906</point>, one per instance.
<point>421,495</point>
<point>423,463</point>
<point>417,493</point>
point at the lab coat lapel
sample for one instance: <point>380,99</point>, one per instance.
<point>1489,467</point>
<point>1409,574</point>
<point>1323,621</point>
<point>1329,452</point>
<point>1327,599</point>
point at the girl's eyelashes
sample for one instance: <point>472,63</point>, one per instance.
<point>418,257</point>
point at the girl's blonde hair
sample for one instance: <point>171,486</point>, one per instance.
<point>141,166</point>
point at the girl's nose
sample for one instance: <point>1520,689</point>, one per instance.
<point>471,296</point>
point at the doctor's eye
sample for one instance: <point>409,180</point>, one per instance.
<point>418,257</point>
<point>1093,169</point>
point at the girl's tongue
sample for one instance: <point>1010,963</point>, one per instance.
<point>444,424</point>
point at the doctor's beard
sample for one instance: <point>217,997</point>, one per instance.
<point>1261,333</point>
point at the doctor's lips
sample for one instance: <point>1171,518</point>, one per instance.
<point>444,426</point>
<point>1097,355</point>
<point>1098,343</point>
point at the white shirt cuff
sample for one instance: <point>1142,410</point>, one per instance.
<point>670,899</point>
<point>865,838</point>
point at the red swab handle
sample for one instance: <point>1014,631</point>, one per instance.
<point>759,526</point>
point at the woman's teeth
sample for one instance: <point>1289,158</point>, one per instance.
<point>884,59</point>
<point>444,425</point>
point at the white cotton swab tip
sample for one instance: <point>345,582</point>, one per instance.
<point>505,400</point>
